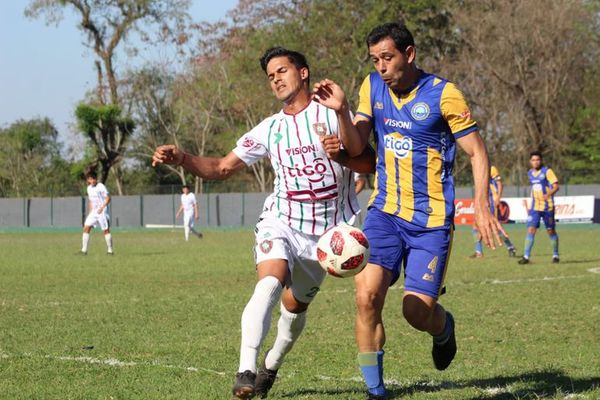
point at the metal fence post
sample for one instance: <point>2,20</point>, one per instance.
<point>173,202</point>
<point>243,207</point>
<point>142,210</point>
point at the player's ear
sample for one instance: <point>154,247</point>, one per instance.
<point>411,54</point>
<point>304,73</point>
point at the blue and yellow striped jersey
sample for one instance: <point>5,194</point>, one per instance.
<point>416,144</point>
<point>541,181</point>
<point>494,178</point>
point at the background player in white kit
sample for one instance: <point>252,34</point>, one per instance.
<point>98,200</point>
<point>311,194</point>
<point>189,208</point>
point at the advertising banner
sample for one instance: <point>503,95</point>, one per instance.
<point>515,209</point>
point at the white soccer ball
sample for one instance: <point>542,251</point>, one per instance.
<point>343,251</point>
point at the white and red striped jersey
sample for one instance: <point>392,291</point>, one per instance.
<point>311,193</point>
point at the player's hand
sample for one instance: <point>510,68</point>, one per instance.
<point>100,210</point>
<point>331,145</point>
<point>167,154</point>
<point>489,227</point>
<point>331,95</point>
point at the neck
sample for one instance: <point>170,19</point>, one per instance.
<point>408,81</point>
<point>297,103</point>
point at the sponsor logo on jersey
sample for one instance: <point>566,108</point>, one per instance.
<point>294,151</point>
<point>314,172</point>
<point>318,194</point>
<point>537,187</point>
<point>401,146</point>
<point>320,128</point>
<point>466,114</point>
<point>248,142</point>
<point>420,111</point>
<point>378,105</point>
<point>397,124</point>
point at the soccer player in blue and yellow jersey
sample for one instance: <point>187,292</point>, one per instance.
<point>544,184</point>
<point>496,188</point>
<point>417,119</point>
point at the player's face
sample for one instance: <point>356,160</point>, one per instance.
<point>92,181</point>
<point>391,63</point>
<point>536,162</point>
<point>185,190</point>
<point>285,78</point>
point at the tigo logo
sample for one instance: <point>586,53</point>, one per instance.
<point>401,146</point>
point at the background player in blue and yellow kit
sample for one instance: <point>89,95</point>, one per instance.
<point>417,119</point>
<point>544,184</point>
<point>496,188</point>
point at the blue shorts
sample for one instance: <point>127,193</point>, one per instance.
<point>533,220</point>
<point>424,252</point>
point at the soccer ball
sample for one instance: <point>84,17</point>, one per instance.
<point>343,251</point>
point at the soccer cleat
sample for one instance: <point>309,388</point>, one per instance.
<point>512,252</point>
<point>82,253</point>
<point>200,235</point>
<point>523,261</point>
<point>264,381</point>
<point>244,385</point>
<point>476,255</point>
<point>555,260</point>
<point>371,396</point>
<point>443,354</point>
<point>110,253</point>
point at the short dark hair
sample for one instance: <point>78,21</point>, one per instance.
<point>295,58</point>
<point>185,186</point>
<point>536,153</point>
<point>91,174</point>
<point>398,32</point>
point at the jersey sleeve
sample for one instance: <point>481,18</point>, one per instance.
<point>102,189</point>
<point>456,112</point>
<point>551,176</point>
<point>494,174</point>
<point>364,99</point>
<point>251,148</point>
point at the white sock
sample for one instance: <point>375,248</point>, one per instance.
<point>289,328</point>
<point>256,320</point>
<point>86,240</point>
<point>108,239</point>
<point>186,230</point>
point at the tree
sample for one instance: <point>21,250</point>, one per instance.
<point>29,152</point>
<point>106,24</point>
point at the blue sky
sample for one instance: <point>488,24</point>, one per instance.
<point>46,70</point>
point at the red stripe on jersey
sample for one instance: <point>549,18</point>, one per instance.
<point>284,176</point>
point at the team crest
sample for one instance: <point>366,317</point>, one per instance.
<point>266,246</point>
<point>248,142</point>
<point>320,128</point>
<point>378,105</point>
<point>420,111</point>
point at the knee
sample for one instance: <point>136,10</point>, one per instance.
<point>368,302</point>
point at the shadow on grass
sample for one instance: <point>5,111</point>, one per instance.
<point>528,385</point>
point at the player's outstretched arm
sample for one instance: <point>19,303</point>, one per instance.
<point>486,222</point>
<point>363,163</point>
<point>205,167</point>
<point>331,95</point>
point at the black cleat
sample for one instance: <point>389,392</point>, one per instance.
<point>264,381</point>
<point>82,253</point>
<point>512,252</point>
<point>371,396</point>
<point>443,354</point>
<point>244,385</point>
<point>555,260</point>
<point>523,261</point>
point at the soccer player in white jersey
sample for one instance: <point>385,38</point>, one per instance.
<point>98,200</point>
<point>311,194</point>
<point>189,208</point>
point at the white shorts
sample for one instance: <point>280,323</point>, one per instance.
<point>94,219</point>
<point>188,219</point>
<point>276,240</point>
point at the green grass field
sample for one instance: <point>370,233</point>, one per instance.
<point>160,320</point>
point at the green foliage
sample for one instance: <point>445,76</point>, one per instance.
<point>583,157</point>
<point>30,160</point>
<point>108,130</point>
